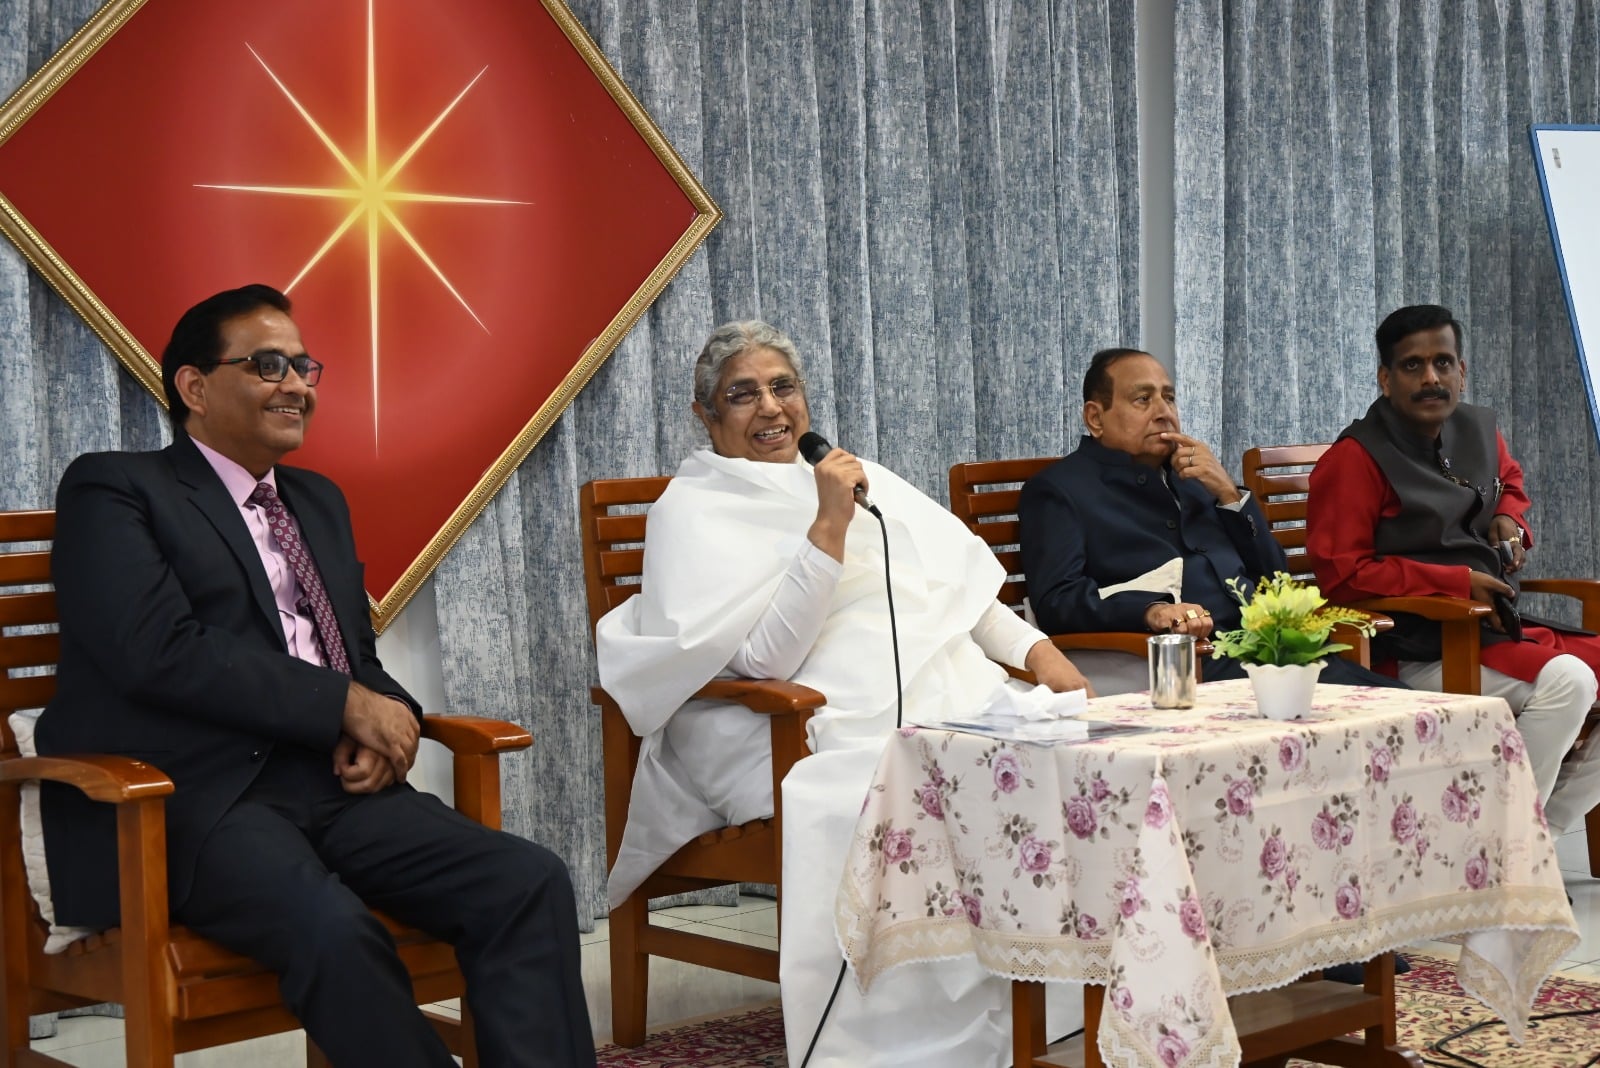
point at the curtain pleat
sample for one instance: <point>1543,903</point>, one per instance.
<point>937,199</point>
<point>1338,159</point>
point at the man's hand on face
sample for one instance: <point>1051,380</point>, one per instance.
<point>1164,618</point>
<point>360,770</point>
<point>1504,530</point>
<point>1484,587</point>
<point>1193,459</point>
<point>384,725</point>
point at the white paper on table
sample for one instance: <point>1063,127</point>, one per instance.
<point>1037,714</point>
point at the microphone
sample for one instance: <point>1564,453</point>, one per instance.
<point>815,448</point>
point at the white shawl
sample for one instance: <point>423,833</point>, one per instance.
<point>717,544</point>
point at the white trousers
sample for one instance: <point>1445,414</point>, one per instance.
<point>1550,710</point>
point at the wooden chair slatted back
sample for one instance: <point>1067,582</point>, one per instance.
<point>984,496</point>
<point>611,514</point>
<point>1279,477</point>
<point>29,640</point>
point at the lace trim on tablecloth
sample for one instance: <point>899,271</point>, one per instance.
<point>1487,982</point>
<point>1540,913</point>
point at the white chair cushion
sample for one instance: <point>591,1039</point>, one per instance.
<point>22,724</point>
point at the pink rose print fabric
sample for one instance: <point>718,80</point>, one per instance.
<point>1214,853</point>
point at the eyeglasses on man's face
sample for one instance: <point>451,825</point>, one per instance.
<point>745,394</point>
<point>274,366</point>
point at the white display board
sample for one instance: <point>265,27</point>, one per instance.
<point>1568,160</point>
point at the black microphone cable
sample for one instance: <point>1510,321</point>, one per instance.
<point>1456,1059</point>
<point>899,719</point>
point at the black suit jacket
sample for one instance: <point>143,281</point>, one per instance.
<point>1098,518</point>
<point>172,652</point>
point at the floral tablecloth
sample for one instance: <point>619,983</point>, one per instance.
<point>1219,854</point>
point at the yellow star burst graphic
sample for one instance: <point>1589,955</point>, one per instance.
<point>372,193</point>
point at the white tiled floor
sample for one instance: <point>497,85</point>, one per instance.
<point>681,992</point>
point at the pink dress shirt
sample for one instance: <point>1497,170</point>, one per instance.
<point>298,630</point>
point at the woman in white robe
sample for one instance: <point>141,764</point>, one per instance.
<point>759,565</point>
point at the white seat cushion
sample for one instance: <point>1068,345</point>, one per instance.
<point>22,724</point>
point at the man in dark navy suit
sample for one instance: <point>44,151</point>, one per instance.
<point>214,624</point>
<point>1141,528</point>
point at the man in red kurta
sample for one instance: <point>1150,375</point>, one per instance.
<point>1420,496</point>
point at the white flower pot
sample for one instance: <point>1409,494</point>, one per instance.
<point>1284,692</point>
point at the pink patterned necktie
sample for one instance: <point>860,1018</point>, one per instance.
<point>313,596</point>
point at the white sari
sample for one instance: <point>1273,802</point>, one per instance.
<point>718,543</point>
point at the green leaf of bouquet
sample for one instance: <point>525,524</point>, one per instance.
<point>1296,643</point>
<point>1311,656</point>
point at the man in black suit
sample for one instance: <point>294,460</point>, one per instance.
<point>214,624</point>
<point>1141,528</point>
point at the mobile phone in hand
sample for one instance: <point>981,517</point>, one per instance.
<point>1510,618</point>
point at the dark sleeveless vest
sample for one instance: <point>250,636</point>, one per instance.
<point>1440,520</point>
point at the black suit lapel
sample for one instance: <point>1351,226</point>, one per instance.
<point>210,496</point>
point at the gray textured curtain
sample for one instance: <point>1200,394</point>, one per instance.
<point>1337,159</point>
<point>936,198</point>
<point>62,392</point>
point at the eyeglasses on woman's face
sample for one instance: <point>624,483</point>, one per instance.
<point>745,394</point>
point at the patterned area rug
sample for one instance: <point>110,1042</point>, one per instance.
<point>752,1039</point>
<point>1431,1007</point>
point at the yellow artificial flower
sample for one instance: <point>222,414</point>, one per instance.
<point>1285,622</point>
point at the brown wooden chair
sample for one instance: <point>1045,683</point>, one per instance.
<point>1280,477</point>
<point>984,496</point>
<point>179,992</point>
<point>612,516</point>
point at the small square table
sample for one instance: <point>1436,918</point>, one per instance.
<point>1215,854</point>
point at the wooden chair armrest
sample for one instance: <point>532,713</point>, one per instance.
<point>475,744</point>
<point>1114,641</point>
<point>1134,643</point>
<point>1360,651</point>
<point>1582,589</point>
<point>1437,607</point>
<point>788,703</point>
<point>101,777</point>
<point>138,790</point>
<point>768,696</point>
<point>1585,591</point>
<point>1130,642</point>
<point>475,735</point>
<point>1461,637</point>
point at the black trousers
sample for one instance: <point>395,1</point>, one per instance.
<point>287,878</point>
